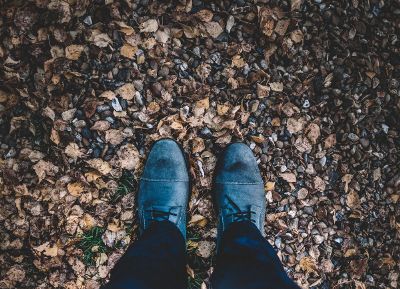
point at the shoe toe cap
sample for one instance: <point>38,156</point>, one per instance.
<point>166,161</point>
<point>238,165</point>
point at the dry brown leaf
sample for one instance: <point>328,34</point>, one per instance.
<point>126,29</point>
<point>213,28</point>
<point>98,164</point>
<point>205,249</point>
<point>276,86</point>
<point>237,61</point>
<point>319,184</point>
<point>294,125</point>
<point>352,200</point>
<point>75,189</point>
<point>54,136</point>
<point>302,194</point>
<point>115,136</point>
<point>289,177</point>
<point>198,220</point>
<point>101,125</point>
<point>149,26</point>
<point>126,91</point>
<point>330,141</point>
<point>73,151</point>
<point>73,52</point>
<point>296,4</point>
<point>313,132</point>
<point>296,36</point>
<point>203,103</point>
<point>128,157</point>
<point>346,179</point>
<point>43,169</point>
<point>128,51</point>
<point>262,90</point>
<point>270,186</point>
<point>101,40</point>
<point>282,26</point>
<point>204,15</point>
<point>222,109</point>
<point>92,176</point>
<point>303,145</point>
<point>308,265</point>
<point>107,94</point>
<point>47,250</point>
<point>198,145</point>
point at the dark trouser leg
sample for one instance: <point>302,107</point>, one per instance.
<point>156,261</point>
<point>247,261</point>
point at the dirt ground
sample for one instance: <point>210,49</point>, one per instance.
<point>312,86</point>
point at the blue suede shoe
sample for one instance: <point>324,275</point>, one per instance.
<point>238,189</point>
<point>164,187</point>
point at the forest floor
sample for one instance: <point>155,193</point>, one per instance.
<point>312,86</point>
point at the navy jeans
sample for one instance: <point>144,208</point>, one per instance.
<point>158,261</point>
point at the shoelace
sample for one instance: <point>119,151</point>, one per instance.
<point>243,216</point>
<point>161,215</point>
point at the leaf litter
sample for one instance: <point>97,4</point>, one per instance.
<point>312,87</point>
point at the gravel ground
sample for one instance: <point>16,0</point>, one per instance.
<point>312,86</point>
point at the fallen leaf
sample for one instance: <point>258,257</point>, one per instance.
<point>276,86</point>
<point>303,145</point>
<point>126,91</point>
<point>128,51</point>
<point>229,23</point>
<point>352,200</point>
<point>198,145</point>
<point>126,29</point>
<point>108,94</point>
<point>262,90</point>
<point>73,52</point>
<point>289,177</point>
<point>205,249</point>
<point>308,265</point>
<point>43,169</point>
<point>73,151</point>
<point>302,194</point>
<point>204,103</point>
<point>313,132</point>
<point>204,15</point>
<point>319,184</point>
<point>213,28</point>
<point>237,61</point>
<point>115,136</point>
<point>295,5</point>
<point>128,157</point>
<point>198,220</point>
<point>294,125</point>
<point>101,40</point>
<point>75,189</point>
<point>282,26</point>
<point>101,125</point>
<point>54,136</point>
<point>98,164</point>
<point>347,179</point>
<point>270,186</point>
<point>296,36</point>
<point>47,250</point>
<point>149,26</point>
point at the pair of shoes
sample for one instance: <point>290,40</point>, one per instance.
<point>165,187</point>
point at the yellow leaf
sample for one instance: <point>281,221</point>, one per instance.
<point>308,265</point>
<point>75,189</point>
<point>270,186</point>
<point>73,52</point>
<point>128,51</point>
